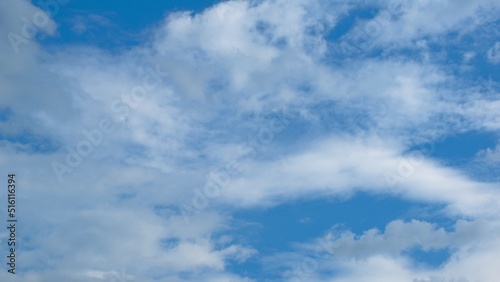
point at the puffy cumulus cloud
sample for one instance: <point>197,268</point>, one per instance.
<point>134,132</point>
<point>236,44</point>
<point>399,236</point>
<point>253,29</point>
<point>490,154</point>
<point>384,255</point>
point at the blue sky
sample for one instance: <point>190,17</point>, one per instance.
<point>273,140</point>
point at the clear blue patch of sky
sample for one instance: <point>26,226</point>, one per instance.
<point>459,148</point>
<point>429,259</point>
<point>275,230</point>
<point>123,197</point>
<point>465,145</point>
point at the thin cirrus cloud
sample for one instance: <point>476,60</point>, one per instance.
<point>137,133</point>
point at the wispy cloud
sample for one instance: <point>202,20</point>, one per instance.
<point>260,84</point>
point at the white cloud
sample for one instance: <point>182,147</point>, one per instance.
<point>345,164</point>
<point>382,255</point>
<point>229,68</point>
<point>490,155</point>
<point>20,25</point>
<point>401,23</point>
